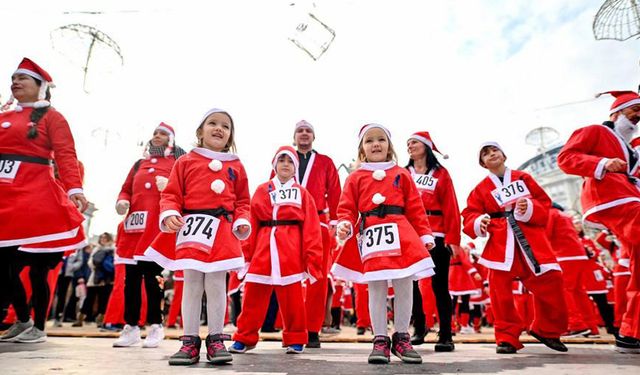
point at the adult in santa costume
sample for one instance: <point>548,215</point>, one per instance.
<point>511,208</point>
<point>439,199</point>
<point>31,135</point>
<point>204,214</point>
<point>285,247</point>
<point>574,262</point>
<point>317,173</point>
<point>602,155</point>
<point>387,236</point>
<point>620,273</point>
<point>139,199</point>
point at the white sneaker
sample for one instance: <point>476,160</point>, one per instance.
<point>467,330</point>
<point>129,336</point>
<point>154,337</point>
<point>16,329</point>
<point>31,336</point>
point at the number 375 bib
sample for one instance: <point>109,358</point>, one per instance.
<point>380,240</point>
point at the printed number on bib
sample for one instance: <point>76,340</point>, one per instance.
<point>287,197</point>
<point>8,170</point>
<point>509,194</point>
<point>598,275</point>
<point>198,232</point>
<point>425,182</point>
<point>136,222</point>
<point>380,240</point>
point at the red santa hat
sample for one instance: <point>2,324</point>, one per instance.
<point>487,144</point>
<point>172,136</point>
<point>623,100</point>
<point>215,110</point>
<point>286,150</point>
<point>367,127</point>
<point>30,68</point>
<point>425,138</point>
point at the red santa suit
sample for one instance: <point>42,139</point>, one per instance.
<point>390,246</point>
<point>210,191</point>
<point>174,310</point>
<point>610,199</point>
<point>505,256</point>
<point>461,273</point>
<point>621,275</point>
<point>573,259</point>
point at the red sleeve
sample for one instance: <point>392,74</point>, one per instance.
<point>127,187</point>
<point>551,225</point>
<point>575,158</point>
<point>333,189</point>
<point>312,250</point>
<point>467,266</point>
<point>243,199</point>
<point>172,197</point>
<point>449,204</point>
<point>347,207</point>
<point>64,150</point>
<point>540,200</point>
<point>249,247</point>
<point>413,207</point>
<point>471,214</point>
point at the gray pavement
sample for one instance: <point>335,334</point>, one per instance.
<point>70,355</point>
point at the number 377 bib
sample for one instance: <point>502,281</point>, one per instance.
<point>509,194</point>
<point>198,232</point>
<point>380,240</point>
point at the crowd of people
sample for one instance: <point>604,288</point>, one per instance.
<point>304,251</point>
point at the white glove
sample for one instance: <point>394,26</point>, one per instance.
<point>161,182</point>
<point>122,207</point>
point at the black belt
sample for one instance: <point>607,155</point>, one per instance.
<point>519,235</point>
<point>275,223</point>
<point>28,159</point>
<point>434,212</point>
<point>217,212</point>
<point>322,212</point>
<point>498,215</point>
<point>380,211</point>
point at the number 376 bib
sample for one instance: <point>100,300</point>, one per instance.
<point>380,240</point>
<point>198,232</point>
<point>509,194</point>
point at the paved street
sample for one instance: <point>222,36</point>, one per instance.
<point>71,355</point>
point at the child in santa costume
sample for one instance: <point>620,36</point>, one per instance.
<point>512,209</point>
<point>37,210</point>
<point>285,248</point>
<point>439,199</point>
<point>382,218</point>
<point>204,213</point>
<point>463,278</point>
<point>621,275</point>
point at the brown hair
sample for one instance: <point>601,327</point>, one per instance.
<point>37,113</point>
<point>391,152</point>
<point>231,143</point>
<point>483,150</point>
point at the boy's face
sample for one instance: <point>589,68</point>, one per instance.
<point>285,169</point>
<point>492,157</point>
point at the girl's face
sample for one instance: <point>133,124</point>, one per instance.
<point>285,169</point>
<point>215,132</point>
<point>24,88</point>
<point>375,145</point>
<point>416,149</point>
<point>160,138</point>
<point>492,157</point>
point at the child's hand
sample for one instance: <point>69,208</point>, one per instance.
<point>484,224</point>
<point>521,206</point>
<point>173,223</point>
<point>430,245</point>
<point>477,277</point>
<point>343,231</point>
<point>242,229</point>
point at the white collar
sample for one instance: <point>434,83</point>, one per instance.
<point>210,154</point>
<point>279,185</point>
<point>506,179</point>
<point>383,165</point>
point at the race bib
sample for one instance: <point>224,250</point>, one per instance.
<point>598,275</point>
<point>380,240</point>
<point>425,182</point>
<point>8,170</point>
<point>136,222</point>
<point>287,197</point>
<point>509,194</point>
<point>198,232</point>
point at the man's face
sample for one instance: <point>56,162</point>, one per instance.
<point>632,113</point>
<point>303,137</point>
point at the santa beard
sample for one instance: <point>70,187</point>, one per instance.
<point>624,127</point>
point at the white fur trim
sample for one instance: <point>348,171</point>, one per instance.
<point>74,191</point>
<point>438,234</point>
<point>471,292</point>
<point>120,260</point>
<point>210,154</point>
<point>368,127</point>
<point>6,125</point>
<point>166,214</point>
<point>527,214</point>
<point>379,165</point>
<point>38,239</point>
<point>31,73</point>
<point>625,273</point>
<point>36,250</point>
<point>607,205</point>
<point>472,270</point>
<point>166,130</point>
<point>476,225</point>
<point>212,111</point>
<point>600,171</point>
<point>193,264</point>
<point>273,280</point>
<point>294,158</point>
<point>238,223</point>
<point>624,105</point>
<point>427,239</point>
<point>597,291</point>
<point>423,140</point>
<point>576,257</point>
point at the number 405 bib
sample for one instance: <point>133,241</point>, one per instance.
<point>380,240</point>
<point>509,194</point>
<point>198,232</point>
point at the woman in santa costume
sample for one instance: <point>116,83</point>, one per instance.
<point>512,209</point>
<point>388,238</point>
<point>204,213</point>
<point>279,256</point>
<point>463,278</point>
<point>139,199</point>
<point>439,199</point>
<point>30,136</point>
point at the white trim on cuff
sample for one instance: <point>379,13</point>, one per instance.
<point>166,214</point>
<point>427,239</point>
<point>476,225</point>
<point>600,171</point>
<point>74,191</point>
<point>238,223</point>
<point>527,214</point>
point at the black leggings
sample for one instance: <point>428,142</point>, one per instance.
<point>606,311</point>
<point>464,303</point>
<point>100,293</point>
<point>135,273</point>
<point>440,284</point>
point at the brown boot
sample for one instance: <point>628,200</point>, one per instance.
<point>80,321</point>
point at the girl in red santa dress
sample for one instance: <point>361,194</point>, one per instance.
<point>463,278</point>
<point>204,213</point>
<point>31,136</point>
<point>512,209</point>
<point>439,199</point>
<point>139,199</point>
<point>382,218</point>
<point>279,256</point>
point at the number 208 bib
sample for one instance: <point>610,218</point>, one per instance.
<point>198,232</point>
<point>380,240</point>
<point>509,194</point>
<point>136,222</point>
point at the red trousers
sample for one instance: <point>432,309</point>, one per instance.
<point>428,301</point>
<point>620,290</point>
<point>624,222</point>
<point>524,306</point>
<point>362,305</point>
<point>550,311</point>
<point>316,296</point>
<point>115,307</point>
<point>254,309</point>
<point>579,305</point>
<point>176,304</point>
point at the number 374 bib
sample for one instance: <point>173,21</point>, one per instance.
<point>198,232</point>
<point>380,240</point>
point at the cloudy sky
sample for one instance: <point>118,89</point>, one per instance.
<point>467,71</point>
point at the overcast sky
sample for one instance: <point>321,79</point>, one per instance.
<point>467,71</point>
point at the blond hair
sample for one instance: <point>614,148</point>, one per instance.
<point>391,152</point>
<point>231,143</point>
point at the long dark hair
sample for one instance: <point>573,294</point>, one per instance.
<point>431,159</point>
<point>37,114</point>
